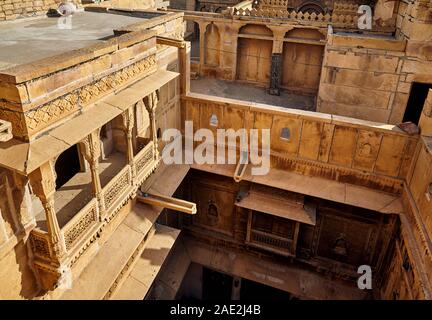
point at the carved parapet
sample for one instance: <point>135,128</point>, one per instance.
<point>5,131</point>
<point>83,223</point>
<point>115,190</point>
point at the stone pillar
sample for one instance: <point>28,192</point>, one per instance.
<point>184,58</point>
<point>151,102</point>
<point>276,62</point>
<point>91,149</point>
<point>43,182</point>
<point>275,74</point>
<point>128,125</point>
<point>202,29</point>
<point>230,48</point>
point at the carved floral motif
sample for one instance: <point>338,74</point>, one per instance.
<point>61,107</point>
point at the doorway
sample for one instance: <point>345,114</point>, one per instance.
<point>216,285</point>
<point>418,94</point>
<point>67,166</point>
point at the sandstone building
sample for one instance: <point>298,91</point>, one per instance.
<point>90,209</point>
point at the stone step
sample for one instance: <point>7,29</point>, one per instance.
<point>115,256</point>
<point>148,265</point>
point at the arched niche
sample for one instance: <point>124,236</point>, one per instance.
<point>254,54</point>
<point>304,33</point>
<point>256,29</point>
<point>212,45</point>
<point>302,57</point>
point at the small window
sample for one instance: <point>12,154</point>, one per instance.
<point>159,133</point>
<point>285,134</point>
<point>212,210</point>
<point>214,120</point>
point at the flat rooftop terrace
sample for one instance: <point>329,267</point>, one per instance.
<point>250,93</point>
<point>27,40</point>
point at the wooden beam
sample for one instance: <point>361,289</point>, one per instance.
<point>170,42</point>
<point>168,202</point>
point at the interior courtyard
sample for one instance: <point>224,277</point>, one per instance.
<point>90,101</point>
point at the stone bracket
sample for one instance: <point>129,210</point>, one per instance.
<point>5,131</point>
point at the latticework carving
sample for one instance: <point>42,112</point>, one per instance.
<point>81,223</point>
<point>338,19</point>
<point>40,244</point>
<point>117,187</point>
<point>144,158</point>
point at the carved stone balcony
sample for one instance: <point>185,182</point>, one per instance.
<point>80,231</point>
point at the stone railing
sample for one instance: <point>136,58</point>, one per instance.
<point>117,188</point>
<point>368,163</point>
<point>81,224</point>
<point>276,4</point>
<point>343,7</point>
<point>80,231</point>
<point>248,4</point>
<point>143,162</point>
<point>335,19</point>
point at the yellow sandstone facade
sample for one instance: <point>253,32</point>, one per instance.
<point>90,210</point>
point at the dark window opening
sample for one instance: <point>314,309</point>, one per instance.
<point>216,285</point>
<point>104,132</point>
<point>417,98</point>
<point>67,166</point>
<point>251,290</point>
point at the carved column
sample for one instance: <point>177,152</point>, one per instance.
<point>275,74</point>
<point>151,102</point>
<point>43,182</point>
<point>276,62</point>
<point>128,125</point>
<point>91,149</point>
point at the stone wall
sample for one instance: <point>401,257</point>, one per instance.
<point>414,18</point>
<point>360,78</point>
<point>370,154</point>
<point>16,220</point>
<point>371,79</point>
<point>14,9</point>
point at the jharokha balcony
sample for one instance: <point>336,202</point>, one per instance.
<point>82,209</point>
